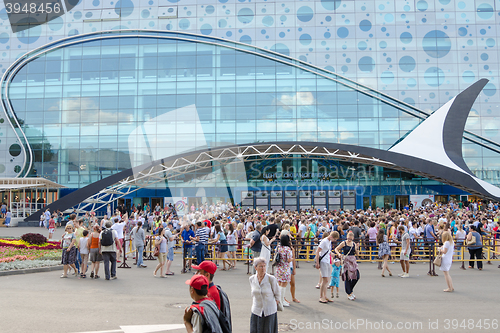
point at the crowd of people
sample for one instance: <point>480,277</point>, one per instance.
<point>334,240</point>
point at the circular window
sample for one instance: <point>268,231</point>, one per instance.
<point>15,150</point>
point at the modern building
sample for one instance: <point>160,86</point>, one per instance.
<point>307,97</point>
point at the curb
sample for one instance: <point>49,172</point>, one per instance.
<point>31,270</point>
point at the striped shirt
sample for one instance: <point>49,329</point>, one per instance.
<point>202,233</point>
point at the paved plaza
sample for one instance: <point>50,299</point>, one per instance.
<point>138,302</point>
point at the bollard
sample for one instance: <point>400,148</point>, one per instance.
<point>183,260</point>
<point>124,263</point>
<point>150,256</point>
<point>489,252</point>
<point>431,259</point>
<point>463,256</point>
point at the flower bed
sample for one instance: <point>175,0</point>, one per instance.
<point>26,264</point>
<point>19,243</point>
<point>8,254</point>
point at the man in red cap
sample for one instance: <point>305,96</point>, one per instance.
<point>203,314</point>
<point>208,269</point>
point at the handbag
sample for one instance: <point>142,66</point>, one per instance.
<point>472,241</point>
<point>277,257</point>
<point>438,260</point>
<point>279,304</point>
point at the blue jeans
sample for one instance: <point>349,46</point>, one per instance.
<point>78,260</point>
<point>200,253</point>
<point>373,248</point>
<point>140,250</point>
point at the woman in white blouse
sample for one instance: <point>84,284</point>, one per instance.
<point>265,297</point>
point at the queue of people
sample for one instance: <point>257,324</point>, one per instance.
<point>272,240</point>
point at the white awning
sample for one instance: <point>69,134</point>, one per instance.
<point>21,183</point>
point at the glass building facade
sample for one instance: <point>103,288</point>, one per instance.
<point>110,86</point>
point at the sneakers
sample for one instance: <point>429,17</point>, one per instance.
<point>143,266</point>
<point>406,275</point>
<point>351,298</point>
<point>113,278</point>
<point>401,275</point>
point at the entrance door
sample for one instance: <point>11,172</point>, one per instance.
<point>401,201</point>
<point>155,201</point>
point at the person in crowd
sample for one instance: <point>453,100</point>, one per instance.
<point>283,273</point>
<point>266,245</point>
<point>460,236</point>
<point>161,244</point>
<point>309,237</point>
<point>475,249</point>
<point>220,237</point>
<point>170,247</point>
<point>323,259</point>
<point>202,315</point>
<point>78,230</point>
<point>404,256</point>
<point>8,217</point>
<point>52,226</point>
<point>336,271</point>
<point>255,242</point>
<point>265,299</point>
<point>187,243</point>
<point>384,251</point>
<point>83,247</point>
<point>208,269</point>
<point>201,238</point>
<point>94,256</point>
<point>293,267</point>
<point>350,251</point>
<point>232,241</point>
<point>447,258</point>
<point>139,241</point>
<point>108,245</point>
<point>68,244</point>
<point>119,225</point>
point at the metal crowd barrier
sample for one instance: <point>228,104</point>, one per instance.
<point>305,249</point>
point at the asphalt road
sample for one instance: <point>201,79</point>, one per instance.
<point>136,301</point>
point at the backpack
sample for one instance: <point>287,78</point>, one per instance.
<point>225,310</point>
<point>107,237</point>
<point>212,319</point>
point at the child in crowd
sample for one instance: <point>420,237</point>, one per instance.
<point>84,253</point>
<point>336,271</point>
<point>52,226</point>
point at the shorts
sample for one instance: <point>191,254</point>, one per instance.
<point>334,282</point>
<point>162,257</point>
<point>231,248</point>
<point>223,246</point>
<point>403,257</point>
<point>51,230</point>
<point>170,254</point>
<point>325,269</point>
<point>94,255</point>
